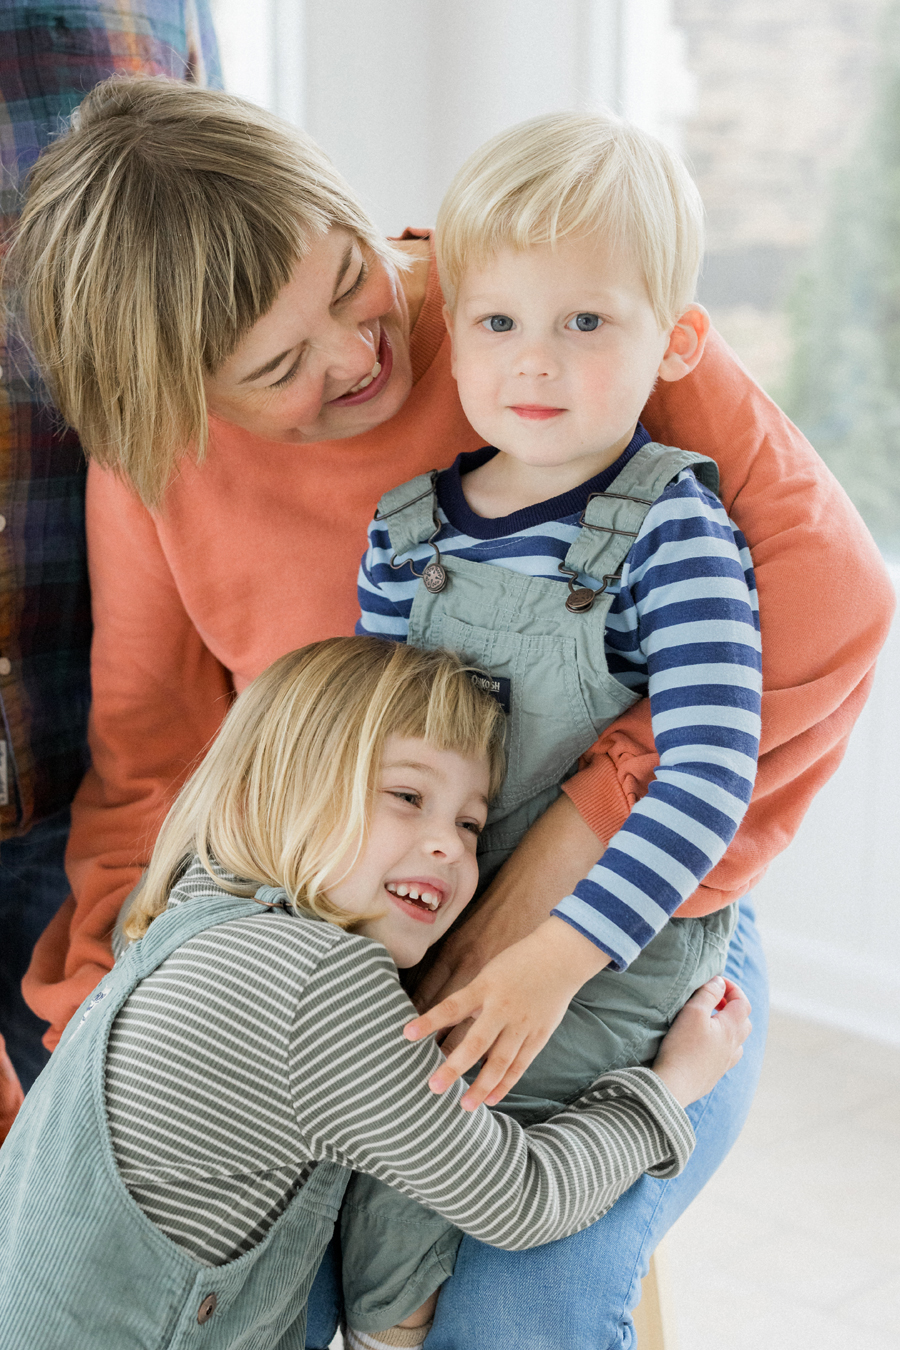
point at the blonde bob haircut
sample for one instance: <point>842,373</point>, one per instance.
<point>156,231</point>
<point>283,796</point>
<point>572,173</point>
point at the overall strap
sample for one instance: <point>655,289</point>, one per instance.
<point>410,512</point>
<point>174,927</point>
<point>611,521</point>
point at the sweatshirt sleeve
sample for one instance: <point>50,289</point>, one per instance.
<point>159,696</point>
<point>825,609</point>
<point>361,1099</point>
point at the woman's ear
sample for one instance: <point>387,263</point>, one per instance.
<point>686,342</point>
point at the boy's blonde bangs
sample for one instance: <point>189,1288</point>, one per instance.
<point>283,796</point>
<point>573,174</point>
<point>156,231</point>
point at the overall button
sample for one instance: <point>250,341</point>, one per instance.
<point>207,1308</point>
<point>5,665</point>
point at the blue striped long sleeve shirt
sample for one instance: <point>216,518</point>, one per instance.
<point>683,629</point>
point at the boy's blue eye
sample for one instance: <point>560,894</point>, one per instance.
<point>498,323</point>
<point>585,323</point>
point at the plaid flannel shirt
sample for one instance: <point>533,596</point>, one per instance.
<point>50,56</point>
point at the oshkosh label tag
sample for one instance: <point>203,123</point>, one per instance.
<point>495,685</point>
<point>4,775</point>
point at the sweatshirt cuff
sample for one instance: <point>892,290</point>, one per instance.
<point>596,794</point>
<point>650,1090</point>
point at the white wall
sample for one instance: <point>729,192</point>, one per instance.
<point>399,92</point>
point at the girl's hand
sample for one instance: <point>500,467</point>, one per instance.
<point>700,1047</point>
<point>515,1004</point>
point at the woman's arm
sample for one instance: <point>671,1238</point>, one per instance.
<point>825,608</point>
<point>159,696</point>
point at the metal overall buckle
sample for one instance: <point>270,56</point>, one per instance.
<point>581,598</point>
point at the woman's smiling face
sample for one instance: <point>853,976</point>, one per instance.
<point>329,360</point>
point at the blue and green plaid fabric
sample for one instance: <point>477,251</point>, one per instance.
<point>50,56</point>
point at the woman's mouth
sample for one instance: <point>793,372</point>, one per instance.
<point>419,900</point>
<point>371,385</point>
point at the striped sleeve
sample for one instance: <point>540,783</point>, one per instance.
<point>361,1099</point>
<point>385,594</point>
<point>686,621</point>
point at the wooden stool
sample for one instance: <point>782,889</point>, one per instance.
<point>653,1317</point>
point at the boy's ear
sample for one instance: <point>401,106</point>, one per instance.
<point>686,342</point>
<point>448,320</point>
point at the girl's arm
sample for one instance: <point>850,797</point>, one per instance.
<point>361,1100</point>
<point>159,696</point>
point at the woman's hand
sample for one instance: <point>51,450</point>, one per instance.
<point>705,1040</point>
<point>512,1007</point>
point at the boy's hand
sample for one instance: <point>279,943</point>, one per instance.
<point>700,1047</point>
<point>515,1004</point>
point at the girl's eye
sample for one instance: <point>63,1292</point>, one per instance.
<point>584,323</point>
<point>471,825</point>
<point>414,798</point>
<point>498,323</point>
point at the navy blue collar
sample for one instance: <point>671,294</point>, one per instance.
<point>463,518</point>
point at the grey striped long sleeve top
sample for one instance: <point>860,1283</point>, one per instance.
<point>266,1044</point>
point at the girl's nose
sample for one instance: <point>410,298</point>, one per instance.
<point>444,842</point>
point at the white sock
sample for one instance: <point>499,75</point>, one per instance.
<point>408,1338</point>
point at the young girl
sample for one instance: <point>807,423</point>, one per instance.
<point>176,1171</point>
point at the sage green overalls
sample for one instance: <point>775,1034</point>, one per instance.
<point>547,663</point>
<point>81,1266</point>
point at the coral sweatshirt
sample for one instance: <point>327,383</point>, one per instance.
<point>256,552</point>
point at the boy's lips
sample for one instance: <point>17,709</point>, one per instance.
<point>535,412</point>
<point>386,360</point>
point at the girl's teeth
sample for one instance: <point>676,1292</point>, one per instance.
<point>412,893</point>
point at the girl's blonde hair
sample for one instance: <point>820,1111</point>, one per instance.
<point>283,796</point>
<point>569,174</point>
<point>156,231</point>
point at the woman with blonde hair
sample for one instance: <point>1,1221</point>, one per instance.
<point>349,783</point>
<point>250,367</point>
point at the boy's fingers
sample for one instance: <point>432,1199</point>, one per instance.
<point>475,1045</point>
<point>454,1009</point>
<point>504,1067</point>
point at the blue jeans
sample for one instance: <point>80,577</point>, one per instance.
<point>579,1293</point>
<point>33,885</point>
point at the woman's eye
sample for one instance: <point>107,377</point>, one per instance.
<point>286,379</point>
<point>498,323</point>
<point>584,323</point>
<point>361,278</point>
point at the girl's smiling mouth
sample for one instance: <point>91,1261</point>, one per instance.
<point>419,898</point>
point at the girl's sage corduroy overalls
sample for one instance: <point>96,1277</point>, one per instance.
<point>547,664</point>
<point>81,1266</point>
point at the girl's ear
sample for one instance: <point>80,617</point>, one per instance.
<point>448,320</point>
<point>686,342</point>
